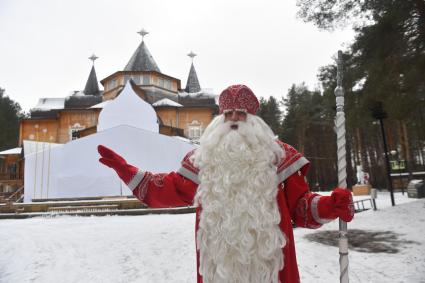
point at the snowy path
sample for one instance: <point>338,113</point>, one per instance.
<point>160,248</point>
<point>98,249</point>
<point>407,218</point>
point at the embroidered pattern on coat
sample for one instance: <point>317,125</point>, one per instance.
<point>143,186</point>
<point>158,179</point>
<point>291,155</point>
<point>187,164</point>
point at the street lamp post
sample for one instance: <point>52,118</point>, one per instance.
<point>379,114</point>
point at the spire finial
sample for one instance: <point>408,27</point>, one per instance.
<point>143,32</point>
<point>93,58</point>
<point>191,55</point>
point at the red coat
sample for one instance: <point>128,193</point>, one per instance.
<point>296,204</point>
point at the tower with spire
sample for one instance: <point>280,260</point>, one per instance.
<point>91,94</point>
<point>153,85</point>
<point>181,111</point>
<point>194,97</point>
<point>192,85</point>
<point>92,85</point>
<point>142,60</point>
<point>61,118</point>
<point>185,111</point>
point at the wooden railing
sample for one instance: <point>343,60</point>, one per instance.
<point>17,196</point>
<point>8,176</point>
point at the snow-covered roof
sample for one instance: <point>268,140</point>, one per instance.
<point>166,102</point>
<point>205,92</point>
<point>101,105</point>
<point>45,104</point>
<point>203,98</point>
<point>75,93</point>
<point>16,150</point>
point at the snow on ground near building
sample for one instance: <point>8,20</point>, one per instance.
<point>161,248</point>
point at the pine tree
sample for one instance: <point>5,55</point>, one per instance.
<point>306,126</point>
<point>10,113</point>
<point>269,111</point>
<point>388,57</point>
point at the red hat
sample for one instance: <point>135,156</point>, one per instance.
<point>238,97</point>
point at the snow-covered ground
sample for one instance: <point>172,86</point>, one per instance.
<point>161,248</point>
<point>320,263</point>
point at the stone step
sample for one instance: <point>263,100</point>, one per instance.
<point>128,212</point>
<point>84,208</point>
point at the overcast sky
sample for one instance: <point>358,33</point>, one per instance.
<point>45,44</point>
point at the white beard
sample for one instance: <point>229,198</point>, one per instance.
<point>239,238</point>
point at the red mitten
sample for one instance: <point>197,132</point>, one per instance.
<point>109,158</point>
<point>339,204</point>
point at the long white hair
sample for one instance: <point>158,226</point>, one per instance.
<point>239,238</point>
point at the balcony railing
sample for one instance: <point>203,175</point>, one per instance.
<point>9,176</point>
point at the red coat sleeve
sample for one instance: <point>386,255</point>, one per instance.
<point>302,204</point>
<point>165,190</point>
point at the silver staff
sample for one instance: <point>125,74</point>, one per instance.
<point>342,165</point>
